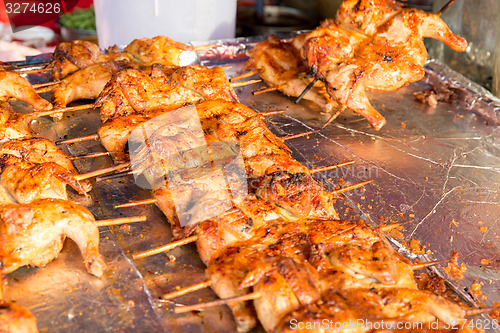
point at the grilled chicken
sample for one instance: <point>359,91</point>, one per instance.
<point>71,56</point>
<point>47,167</point>
<point>132,91</point>
<point>13,85</point>
<point>157,50</point>
<point>362,307</point>
<point>33,234</point>
<point>386,61</point>
<point>279,65</point>
<point>86,83</point>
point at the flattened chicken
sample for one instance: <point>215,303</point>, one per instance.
<point>160,50</point>
<point>33,234</point>
<point>36,151</point>
<point>14,125</point>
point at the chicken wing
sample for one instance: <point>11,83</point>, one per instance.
<point>33,234</point>
<point>13,85</point>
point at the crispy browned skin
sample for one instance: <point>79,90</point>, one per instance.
<point>135,92</point>
<point>12,85</point>
<point>279,65</point>
<point>70,57</point>
<point>36,168</point>
<point>385,61</point>
<point>33,234</point>
<point>160,50</point>
<point>86,83</point>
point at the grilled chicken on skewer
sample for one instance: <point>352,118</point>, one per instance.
<point>33,234</point>
<point>35,168</point>
<point>71,56</point>
<point>279,64</point>
<point>13,85</point>
<point>386,61</point>
<point>134,92</point>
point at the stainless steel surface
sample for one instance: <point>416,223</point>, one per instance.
<point>436,168</point>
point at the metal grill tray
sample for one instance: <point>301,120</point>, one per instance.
<point>438,168</point>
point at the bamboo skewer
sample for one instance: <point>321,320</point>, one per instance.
<point>267,89</point>
<point>243,76</point>
<point>90,155</point>
<point>244,83</point>
<point>136,203</point>
<point>115,175</point>
<point>330,167</point>
<point>44,89</point>
<point>101,171</point>
<point>66,109</point>
<point>351,187</point>
<point>196,307</point>
<point>164,248</point>
<point>428,264</point>
<point>187,290</point>
<point>299,135</point>
<point>121,220</point>
<point>80,139</point>
<point>43,64</point>
<point>334,116</point>
<point>46,84</point>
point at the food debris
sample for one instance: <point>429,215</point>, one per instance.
<point>426,97</point>
<point>483,229</point>
<point>431,282</point>
<point>486,262</point>
<point>403,125</point>
<point>475,290</point>
<point>125,227</point>
<point>455,223</point>
<point>454,271</point>
<point>416,247</point>
<point>171,258</point>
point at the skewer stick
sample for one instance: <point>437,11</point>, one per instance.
<point>101,171</point>
<point>115,175</point>
<point>309,86</point>
<point>34,70</point>
<point>66,109</point>
<point>44,89</point>
<point>473,312</point>
<point>80,139</point>
<point>351,187</point>
<point>244,83</point>
<point>294,136</point>
<point>187,290</point>
<point>195,307</point>
<point>91,155</point>
<point>334,116</point>
<point>243,76</point>
<point>269,113</point>
<point>137,203</point>
<point>330,167</point>
<point>165,248</point>
<point>445,7</point>
<point>428,264</point>
<point>33,65</point>
<point>122,220</point>
<point>267,89</point>
<point>46,84</point>
<point>204,47</point>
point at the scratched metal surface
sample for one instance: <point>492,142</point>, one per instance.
<point>439,172</point>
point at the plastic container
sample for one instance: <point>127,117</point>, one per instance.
<point>121,21</point>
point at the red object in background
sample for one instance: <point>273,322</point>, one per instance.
<point>20,20</point>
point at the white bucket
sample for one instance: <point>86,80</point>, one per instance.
<point>121,21</point>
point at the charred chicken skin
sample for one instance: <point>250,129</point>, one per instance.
<point>35,168</point>
<point>33,234</point>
